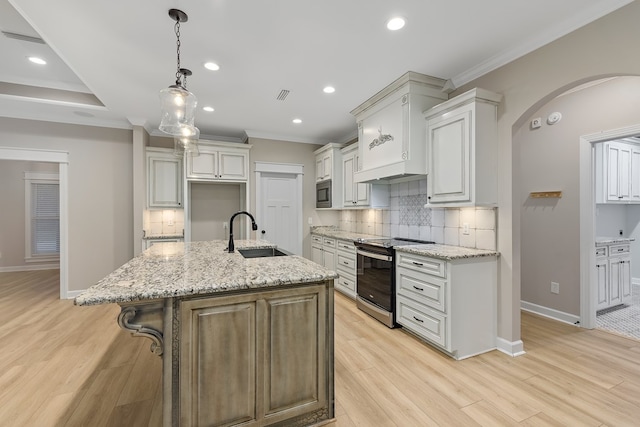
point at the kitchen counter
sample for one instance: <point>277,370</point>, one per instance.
<point>162,236</point>
<point>604,241</point>
<point>446,252</point>
<point>181,269</point>
<point>328,231</point>
<point>243,341</point>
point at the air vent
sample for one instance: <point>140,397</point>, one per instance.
<point>283,95</point>
<point>23,37</point>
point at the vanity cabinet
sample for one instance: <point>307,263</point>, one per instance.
<point>346,268</point>
<point>164,179</point>
<point>617,172</point>
<point>256,359</point>
<point>462,150</point>
<point>450,304</point>
<point>613,273</point>
<point>391,128</point>
<point>218,162</point>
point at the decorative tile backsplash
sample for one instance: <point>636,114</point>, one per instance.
<point>163,222</point>
<point>407,217</point>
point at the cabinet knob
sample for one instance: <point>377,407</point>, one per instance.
<point>263,232</point>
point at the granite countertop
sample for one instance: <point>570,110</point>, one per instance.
<point>604,241</point>
<point>446,252</point>
<point>181,269</point>
<point>329,231</point>
<point>162,236</point>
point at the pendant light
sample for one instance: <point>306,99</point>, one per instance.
<point>186,144</point>
<point>178,105</point>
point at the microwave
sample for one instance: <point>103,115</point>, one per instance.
<point>323,194</point>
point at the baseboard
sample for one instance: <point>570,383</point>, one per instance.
<point>29,268</point>
<point>512,348</point>
<point>73,294</point>
<point>550,313</point>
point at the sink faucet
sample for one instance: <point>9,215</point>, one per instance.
<point>254,227</point>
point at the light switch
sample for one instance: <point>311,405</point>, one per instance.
<point>465,228</point>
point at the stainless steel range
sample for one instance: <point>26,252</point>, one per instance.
<point>376,276</point>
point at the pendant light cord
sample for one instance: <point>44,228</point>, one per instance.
<point>178,73</point>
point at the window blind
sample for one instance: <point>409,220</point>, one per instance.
<point>45,219</point>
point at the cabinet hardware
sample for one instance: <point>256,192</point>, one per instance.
<point>417,288</point>
<point>345,262</point>
<point>418,320</point>
<point>419,264</point>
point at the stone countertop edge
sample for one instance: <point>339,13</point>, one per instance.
<point>604,241</point>
<point>329,231</point>
<point>162,236</point>
<point>446,252</point>
<point>168,270</point>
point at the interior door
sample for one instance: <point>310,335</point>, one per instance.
<point>280,207</point>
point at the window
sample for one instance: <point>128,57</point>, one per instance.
<point>42,222</point>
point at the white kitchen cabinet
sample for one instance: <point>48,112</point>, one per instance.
<point>391,128</point>
<point>346,268</point>
<point>462,150</point>
<point>617,172</point>
<point>147,243</point>
<point>356,194</point>
<point>164,179</point>
<point>327,161</point>
<point>217,162</point>
<point>450,304</point>
<point>613,272</point>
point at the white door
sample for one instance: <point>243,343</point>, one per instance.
<point>280,211</point>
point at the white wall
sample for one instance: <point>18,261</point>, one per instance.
<point>212,205</point>
<point>100,191</point>
<point>12,212</point>
<point>605,47</point>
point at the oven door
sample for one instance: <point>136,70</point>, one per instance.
<point>375,278</point>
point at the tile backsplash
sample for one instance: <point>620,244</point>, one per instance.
<point>163,222</point>
<point>407,217</point>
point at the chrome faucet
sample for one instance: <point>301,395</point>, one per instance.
<point>254,227</point>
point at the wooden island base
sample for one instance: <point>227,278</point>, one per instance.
<point>250,358</point>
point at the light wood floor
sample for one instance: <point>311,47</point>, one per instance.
<point>62,365</point>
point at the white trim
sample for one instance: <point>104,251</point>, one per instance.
<point>511,348</point>
<point>62,158</point>
<point>43,258</point>
<point>550,313</point>
<point>29,268</point>
<point>581,18</point>
<point>587,219</point>
<point>73,294</point>
<point>291,168</point>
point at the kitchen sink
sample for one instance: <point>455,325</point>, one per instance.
<point>261,252</point>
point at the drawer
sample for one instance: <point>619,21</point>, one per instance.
<point>423,288</point>
<point>347,262</point>
<point>601,251</point>
<point>327,241</point>
<point>316,239</point>
<point>423,321</point>
<point>345,284</point>
<point>345,245</point>
<point>433,266</point>
<point>618,249</point>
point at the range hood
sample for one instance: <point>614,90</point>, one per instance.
<point>391,128</point>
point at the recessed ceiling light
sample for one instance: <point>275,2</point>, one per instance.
<point>208,109</point>
<point>297,121</point>
<point>329,89</point>
<point>211,66</point>
<point>396,23</point>
<point>37,60</point>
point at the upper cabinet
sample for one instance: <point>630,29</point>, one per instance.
<point>391,128</point>
<point>164,179</point>
<point>356,194</point>
<point>617,172</point>
<point>219,162</point>
<point>462,150</point>
<point>327,161</point>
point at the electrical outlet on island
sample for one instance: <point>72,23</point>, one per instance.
<point>555,287</point>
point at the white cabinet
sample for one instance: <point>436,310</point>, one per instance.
<point>164,179</point>
<point>218,162</point>
<point>613,272</point>
<point>462,150</point>
<point>391,128</point>
<point>450,304</point>
<point>617,172</point>
<point>346,268</point>
<point>356,194</point>
<point>147,243</point>
<point>328,170</point>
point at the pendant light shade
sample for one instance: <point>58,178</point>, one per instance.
<point>187,144</point>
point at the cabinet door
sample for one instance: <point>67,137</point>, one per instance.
<point>616,268</point>
<point>329,258</point>
<point>448,151</point>
<point>317,255</point>
<point>602,272</point>
<point>625,279</point>
<point>232,165</point>
<point>204,166</point>
<point>319,168</point>
<point>348,169</point>
<point>635,174</point>
<point>624,170</point>
<point>327,166</point>
<point>164,182</point>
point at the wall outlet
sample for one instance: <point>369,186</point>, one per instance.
<point>465,228</point>
<point>310,221</point>
<point>225,225</point>
<point>555,287</point>
<point>170,222</point>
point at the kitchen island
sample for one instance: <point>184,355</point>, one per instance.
<point>243,340</point>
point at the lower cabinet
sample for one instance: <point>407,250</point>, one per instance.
<point>257,359</point>
<point>450,304</point>
<point>346,268</point>
<point>613,272</point>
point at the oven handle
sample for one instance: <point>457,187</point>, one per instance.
<point>374,255</point>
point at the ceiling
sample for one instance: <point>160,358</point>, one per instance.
<point>107,60</point>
